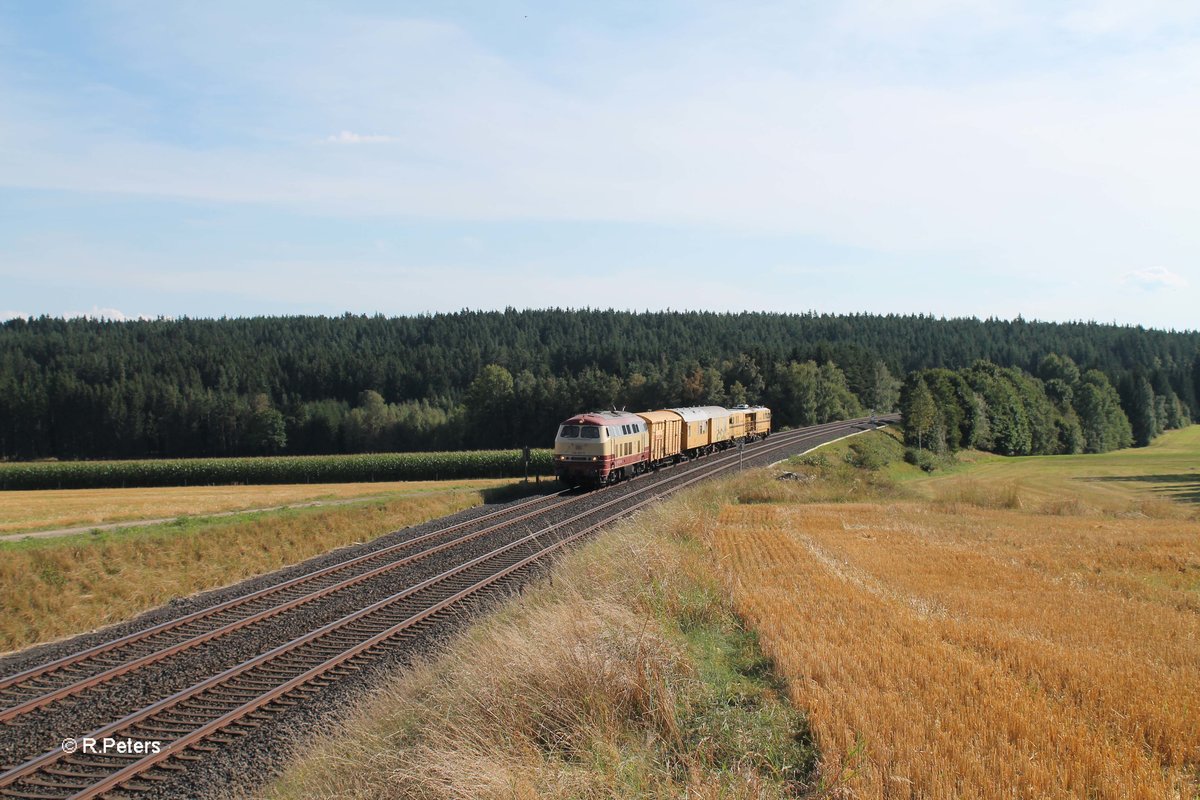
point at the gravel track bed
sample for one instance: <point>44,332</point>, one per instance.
<point>253,758</point>
<point>243,767</point>
<point>246,765</point>
<point>41,730</point>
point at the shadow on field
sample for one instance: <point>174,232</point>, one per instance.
<point>1183,487</point>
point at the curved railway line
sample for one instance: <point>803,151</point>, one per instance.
<point>326,625</point>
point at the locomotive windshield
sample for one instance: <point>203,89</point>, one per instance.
<point>569,432</point>
<point>590,432</point>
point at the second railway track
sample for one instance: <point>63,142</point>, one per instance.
<point>232,702</point>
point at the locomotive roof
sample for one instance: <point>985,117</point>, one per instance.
<point>603,418</point>
<point>715,411</point>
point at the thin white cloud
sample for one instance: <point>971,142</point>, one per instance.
<point>918,138</point>
<point>7,315</point>
<point>350,137</point>
<point>1154,278</point>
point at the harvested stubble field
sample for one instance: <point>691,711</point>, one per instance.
<point>981,639</point>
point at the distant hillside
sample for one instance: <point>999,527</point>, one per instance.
<point>89,389</point>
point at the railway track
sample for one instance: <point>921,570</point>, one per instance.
<point>185,726</point>
<point>39,686</point>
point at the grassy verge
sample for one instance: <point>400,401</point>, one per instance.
<point>50,588</point>
<point>626,675</point>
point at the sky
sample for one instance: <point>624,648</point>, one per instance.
<point>953,158</point>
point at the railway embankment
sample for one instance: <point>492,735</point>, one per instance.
<point>624,672</point>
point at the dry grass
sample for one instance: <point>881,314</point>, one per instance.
<point>56,587</point>
<point>41,510</point>
<point>610,682</point>
<point>984,644</point>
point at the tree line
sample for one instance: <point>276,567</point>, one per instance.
<point>203,387</point>
<point>1059,410</point>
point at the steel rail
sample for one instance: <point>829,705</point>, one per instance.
<point>243,711</point>
<point>706,470</point>
<point>8,778</point>
<point>155,656</point>
<point>235,602</point>
<point>109,672</point>
<point>232,717</point>
<point>44,698</point>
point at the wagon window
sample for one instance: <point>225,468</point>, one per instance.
<point>590,432</point>
<point>569,432</point>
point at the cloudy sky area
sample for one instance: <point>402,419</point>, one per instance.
<point>954,158</point>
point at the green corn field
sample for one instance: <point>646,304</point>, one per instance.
<point>273,469</point>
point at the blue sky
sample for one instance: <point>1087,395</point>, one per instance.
<point>954,158</point>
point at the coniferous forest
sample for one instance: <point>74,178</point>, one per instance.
<point>200,387</point>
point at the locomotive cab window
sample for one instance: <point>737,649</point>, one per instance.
<point>569,432</point>
<point>590,432</point>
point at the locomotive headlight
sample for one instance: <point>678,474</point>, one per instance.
<point>595,458</point>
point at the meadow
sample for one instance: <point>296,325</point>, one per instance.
<point>1158,476</point>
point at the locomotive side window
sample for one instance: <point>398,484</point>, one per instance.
<point>590,432</point>
<point>569,432</point>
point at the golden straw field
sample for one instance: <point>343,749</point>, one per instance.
<point>54,508</point>
<point>984,649</point>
